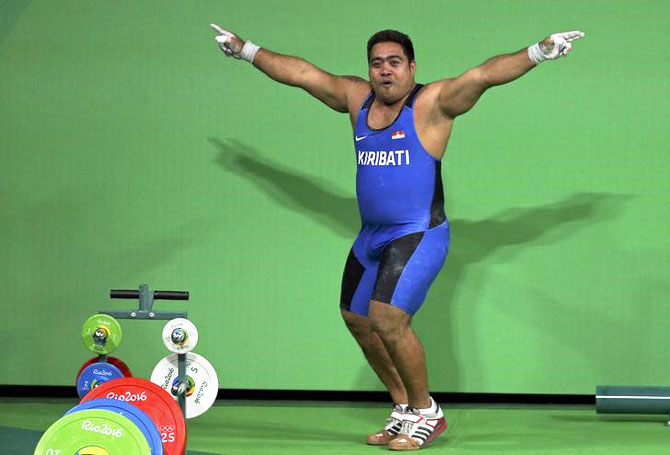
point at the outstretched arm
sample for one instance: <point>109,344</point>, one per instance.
<point>332,90</point>
<point>459,95</point>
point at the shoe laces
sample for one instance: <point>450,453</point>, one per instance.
<point>407,424</point>
<point>406,427</point>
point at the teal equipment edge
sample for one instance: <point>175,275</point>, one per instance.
<point>633,400</point>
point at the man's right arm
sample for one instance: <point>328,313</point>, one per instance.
<point>335,91</point>
<point>328,88</point>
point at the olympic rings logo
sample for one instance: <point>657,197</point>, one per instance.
<point>167,428</point>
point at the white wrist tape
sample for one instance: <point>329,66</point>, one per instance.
<point>248,52</point>
<point>535,54</point>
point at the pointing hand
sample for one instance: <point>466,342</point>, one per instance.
<point>230,43</point>
<point>559,44</point>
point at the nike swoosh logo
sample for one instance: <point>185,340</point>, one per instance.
<point>359,138</point>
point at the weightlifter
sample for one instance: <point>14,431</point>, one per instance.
<point>400,134</point>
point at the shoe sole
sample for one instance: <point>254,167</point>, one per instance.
<point>438,431</point>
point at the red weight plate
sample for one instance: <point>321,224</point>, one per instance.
<point>158,404</point>
<point>118,363</point>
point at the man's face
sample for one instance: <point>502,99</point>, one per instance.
<point>391,73</point>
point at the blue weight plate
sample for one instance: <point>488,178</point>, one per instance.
<point>132,413</point>
<point>94,375</point>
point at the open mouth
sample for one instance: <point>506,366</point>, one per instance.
<point>387,84</point>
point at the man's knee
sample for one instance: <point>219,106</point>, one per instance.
<point>358,325</point>
<point>389,322</point>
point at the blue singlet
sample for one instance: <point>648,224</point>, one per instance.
<point>404,236</point>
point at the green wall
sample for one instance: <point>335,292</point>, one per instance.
<point>132,151</point>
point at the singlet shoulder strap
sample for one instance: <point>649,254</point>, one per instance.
<point>368,101</point>
<point>410,99</point>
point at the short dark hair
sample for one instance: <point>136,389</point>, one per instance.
<point>393,36</point>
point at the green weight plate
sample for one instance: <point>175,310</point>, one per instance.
<point>93,432</point>
<point>101,334</point>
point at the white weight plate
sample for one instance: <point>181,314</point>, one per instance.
<point>203,383</point>
<point>180,335</point>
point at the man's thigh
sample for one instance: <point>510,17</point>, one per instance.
<point>408,266</point>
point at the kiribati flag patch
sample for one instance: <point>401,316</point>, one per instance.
<point>398,134</point>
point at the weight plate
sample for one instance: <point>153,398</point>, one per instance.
<point>94,375</point>
<point>134,414</point>
<point>180,335</point>
<point>118,363</point>
<point>93,431</point>
<point>101,333</point>
<point>203,384</point>
<point>155,402</point>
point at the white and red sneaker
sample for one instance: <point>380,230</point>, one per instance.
<point>419,428</point>
<point>392,427</point>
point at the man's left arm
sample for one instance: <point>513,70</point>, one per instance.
<point>459,95</point>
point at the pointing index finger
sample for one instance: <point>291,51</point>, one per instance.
<point>219,29</point>
<point>571,36</point>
